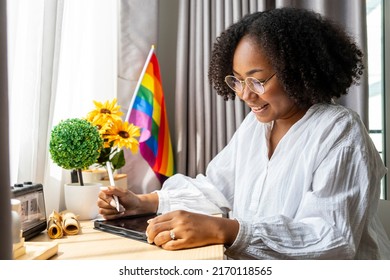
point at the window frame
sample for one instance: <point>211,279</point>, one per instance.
<point>386,83</point>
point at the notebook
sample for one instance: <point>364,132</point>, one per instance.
<point>133,227</point>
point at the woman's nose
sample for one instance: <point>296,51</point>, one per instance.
<point>247,94</point>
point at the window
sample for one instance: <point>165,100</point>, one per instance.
<point>378,128</point>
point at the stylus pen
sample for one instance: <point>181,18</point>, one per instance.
<point>112,183</point>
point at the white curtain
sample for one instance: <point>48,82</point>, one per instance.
<point>62,56</point>
<point>204,123</point>
<point>25,28</point>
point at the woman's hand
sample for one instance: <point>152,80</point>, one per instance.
<point>182,229</point>
<point>131,204</point>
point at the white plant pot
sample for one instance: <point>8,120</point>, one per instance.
<point>82,200</point>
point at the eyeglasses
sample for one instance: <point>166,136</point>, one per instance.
<point>253,84</point>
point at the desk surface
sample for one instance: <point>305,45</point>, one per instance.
<point>92,244</point>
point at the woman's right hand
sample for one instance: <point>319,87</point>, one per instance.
<point>132,204</point>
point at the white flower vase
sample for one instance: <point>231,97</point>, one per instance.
<point>82,200</point>
<point>119,179</point>
<point>94,175</point>
<point>101,176</point>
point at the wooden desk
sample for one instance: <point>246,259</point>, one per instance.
<point>91,244</point>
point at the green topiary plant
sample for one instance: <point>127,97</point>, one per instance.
<point>75,144</point>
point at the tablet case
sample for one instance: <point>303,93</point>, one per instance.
<point>133,227</point>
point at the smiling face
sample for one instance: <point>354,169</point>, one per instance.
<point>274,105</point>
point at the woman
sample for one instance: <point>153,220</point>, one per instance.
<point>300,178</point>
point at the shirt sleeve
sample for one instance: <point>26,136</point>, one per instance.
<point>331,217</point>
<point>211,193</point>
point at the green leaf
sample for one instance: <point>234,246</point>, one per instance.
<point>118,160</point>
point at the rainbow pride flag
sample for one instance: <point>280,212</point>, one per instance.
<point>147,111</point>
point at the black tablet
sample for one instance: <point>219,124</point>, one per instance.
<point>133,227</point>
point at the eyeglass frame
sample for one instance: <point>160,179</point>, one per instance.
<point>244,83</point>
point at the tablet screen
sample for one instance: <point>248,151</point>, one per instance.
<point>131,227</point>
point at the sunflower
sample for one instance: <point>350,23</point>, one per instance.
<point>102,126</point>
<point>105,112</point>
<point>123,135</point>
<point>115,133</point>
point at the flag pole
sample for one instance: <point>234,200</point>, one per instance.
<point>139,82</point>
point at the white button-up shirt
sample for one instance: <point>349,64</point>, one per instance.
<point>315,198</point>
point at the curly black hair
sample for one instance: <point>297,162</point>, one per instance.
<point>314,58</point>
